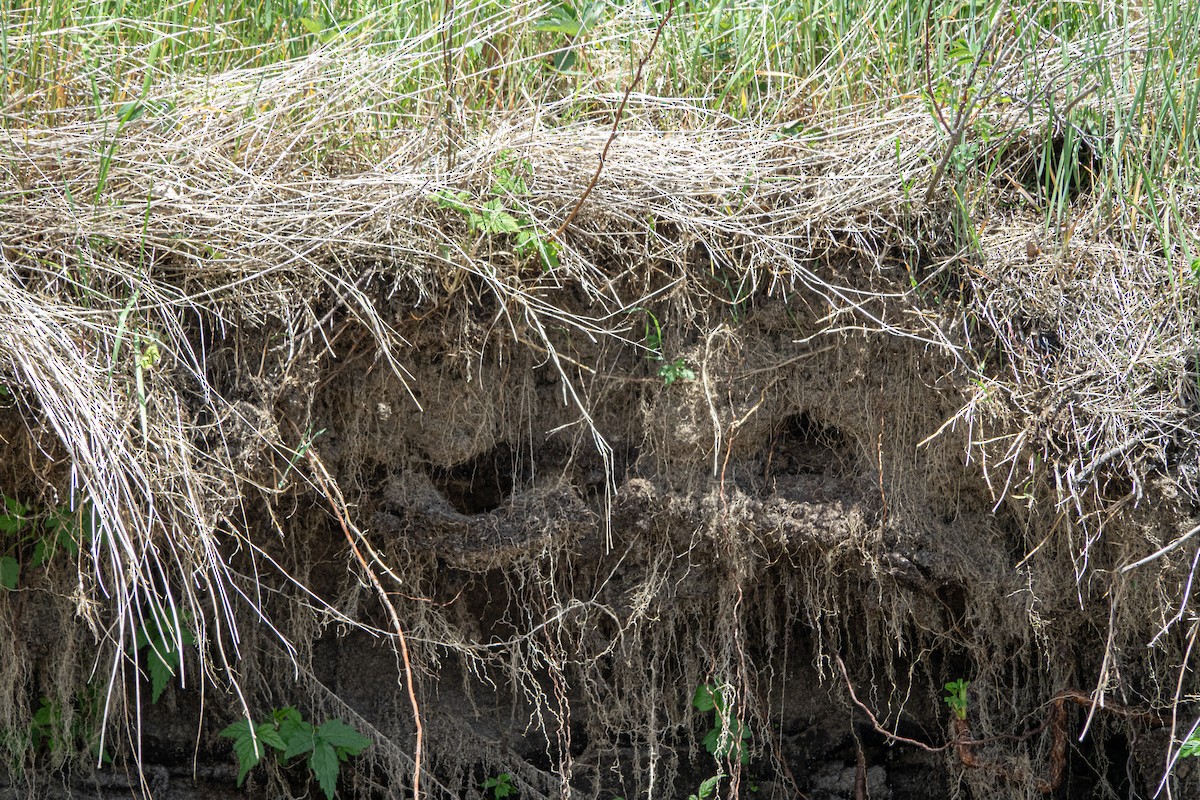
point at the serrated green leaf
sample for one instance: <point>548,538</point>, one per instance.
<point>562,20</point>
<point>343,737</point>
<point>10,572</point>
<point>703,698</point>
<point>324,765</point>
<point>1190,748</point>
<point>268,735</point>
<point>15,516</point>
<point>288,714</point>
<point>42,552</point>
<point>161,664</point>
<point>299,741</point>
<point>708,787</point>
<point>236,730</point>
<point>248,752</point>
<point>712,740</point>
<point>458,201</point>
<point>293,728</point>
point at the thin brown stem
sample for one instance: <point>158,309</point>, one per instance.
<point>338,504</point>
<point>637,77</point>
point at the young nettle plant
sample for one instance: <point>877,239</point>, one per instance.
<point>670,371</point>
<point>957,697</point>
<point>500,786</point>
<point>494,217</point>
<point>728,738</point>
<point>289,735</point>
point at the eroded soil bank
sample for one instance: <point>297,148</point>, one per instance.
<point>776,523</point>
<point>752,458</point>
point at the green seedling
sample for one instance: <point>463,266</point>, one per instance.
<point>500,786</point>
<point>676,370</point>
<point>289,735</point>
<point>494,217</point>
<point>669,371</point>
<point>957,697</point>
<point>728,737</point>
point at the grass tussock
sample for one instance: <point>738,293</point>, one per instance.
<point>1013,185</point>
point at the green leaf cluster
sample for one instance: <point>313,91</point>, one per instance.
<point>573,22</point>
<point>46,729</point>
<point>494,217</point>
<point>676,370</point>
<point>290,735</point>
<point>161,635</point>
<point>957,697</point>
<point>729,737</point>
<point>32,537</point>
<point>500,786</point>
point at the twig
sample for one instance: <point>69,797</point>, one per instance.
<point>338,504</point>
<point>1162,551</point>
<point>937,109</point>
<point>891,737</point>
<point>637,77</point>
<point>965,106</point>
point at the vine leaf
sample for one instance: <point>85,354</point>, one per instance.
<point>163,658</point>
<point>249,752</point>
<point>10,572</point>
<point>324,764</point>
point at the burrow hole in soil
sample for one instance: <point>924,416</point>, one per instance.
<point>480,484</point>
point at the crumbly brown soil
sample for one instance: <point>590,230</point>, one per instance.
<point>783,514</point>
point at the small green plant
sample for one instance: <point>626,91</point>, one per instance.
<point>669,371</point>
<point>572,22</point>
<point>676,370</point>
<point>14,519</point>
<point>32,537</point>
<point>957,697</point>
<point>160,636</point>
<point>728,737</point>
<point>495,218</point>
<point>290,735</point>
<point>707,788</point>
<point>500,786</point>
<point>46,726</point>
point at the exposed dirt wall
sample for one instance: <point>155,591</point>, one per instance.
<point>820,469</point>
